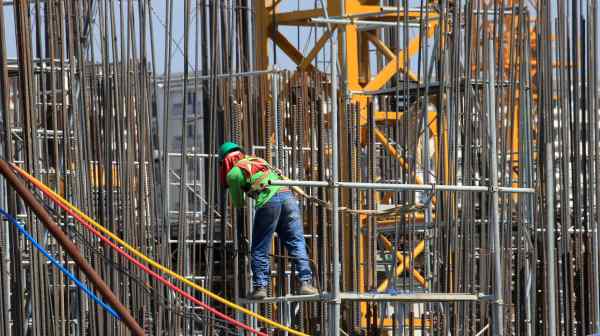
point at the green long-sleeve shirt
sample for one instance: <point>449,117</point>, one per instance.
<point>237,184</point>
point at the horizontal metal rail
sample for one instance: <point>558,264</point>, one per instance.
<point>364,22</point>
<point>399,187</point>
<point>289,298</point>
<point>161,80</point>
<point>414,297</point>
<point>350,296</point>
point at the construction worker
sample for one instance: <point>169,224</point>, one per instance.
<point>276,211</point>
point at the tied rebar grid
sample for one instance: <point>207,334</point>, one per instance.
<point>493,131</point>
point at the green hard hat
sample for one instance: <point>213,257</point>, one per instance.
<point>227,148</point>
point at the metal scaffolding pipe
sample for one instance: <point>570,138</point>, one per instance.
<point>550,241</point>
<point>367,23</point>
<point>335,229</point>
<point>401,186</point>
<point>275,70</point>
<point>496,242</point>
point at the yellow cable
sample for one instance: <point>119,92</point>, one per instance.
<point>150,261</point>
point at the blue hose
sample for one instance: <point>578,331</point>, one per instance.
<point>55,262</point>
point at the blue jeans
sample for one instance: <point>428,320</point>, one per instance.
<point>280,214</point>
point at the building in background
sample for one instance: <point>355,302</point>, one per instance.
<point>170,104</point>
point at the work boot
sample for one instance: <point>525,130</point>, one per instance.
<point>259,293</point>
<point>307,289</point>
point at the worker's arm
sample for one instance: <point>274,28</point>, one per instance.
<point>235,181</point>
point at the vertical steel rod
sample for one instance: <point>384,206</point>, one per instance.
<point>335,221</point>
<point>550,241</point>
<point>498,325</point>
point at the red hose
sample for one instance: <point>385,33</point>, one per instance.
<point>149,271</point>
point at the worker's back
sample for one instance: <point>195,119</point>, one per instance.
<point>251,175</point>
